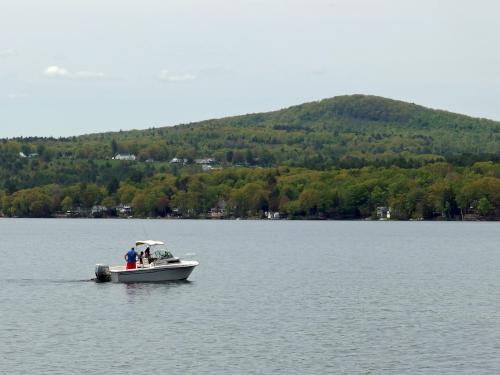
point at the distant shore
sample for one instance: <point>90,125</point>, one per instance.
<point>490,220</point>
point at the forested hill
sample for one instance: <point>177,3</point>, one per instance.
<point>345,131</point>
<point>346,157</point>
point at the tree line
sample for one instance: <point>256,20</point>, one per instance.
<point>438,190</point>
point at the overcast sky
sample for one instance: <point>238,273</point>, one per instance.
<point>70,67</point>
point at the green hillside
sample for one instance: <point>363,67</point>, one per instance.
<point>341,133</point>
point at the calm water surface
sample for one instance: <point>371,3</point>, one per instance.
<point>268,298</point>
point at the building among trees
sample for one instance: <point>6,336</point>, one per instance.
<point>127,157</point>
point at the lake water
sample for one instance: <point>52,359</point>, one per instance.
<point>269,297</point>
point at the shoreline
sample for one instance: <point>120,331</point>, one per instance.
<point>248,219</point>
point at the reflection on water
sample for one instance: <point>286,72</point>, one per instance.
<point>135,289</point>
<point>147,289</point>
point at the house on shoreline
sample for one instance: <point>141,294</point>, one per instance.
<point>383,213</point>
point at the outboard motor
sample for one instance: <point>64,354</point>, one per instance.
<point>102,273</point>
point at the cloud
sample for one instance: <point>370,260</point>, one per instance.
<point>165,75</point>
<point>55,71</point>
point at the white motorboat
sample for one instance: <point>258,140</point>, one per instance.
<point>162,266</point>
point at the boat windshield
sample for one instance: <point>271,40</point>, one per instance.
<point>162,254</point>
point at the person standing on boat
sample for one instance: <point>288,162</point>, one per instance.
<point>131,258</point>
<point>147,255</point>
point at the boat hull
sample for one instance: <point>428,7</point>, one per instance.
<point>169,272</point>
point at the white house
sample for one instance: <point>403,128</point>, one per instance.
<point>205,161</point>
<point>129,157</point>
<point>383,212</point>
<point>98,210</point>
<point>272,215</point>
<point>178,161</point>
<point>123,209</point>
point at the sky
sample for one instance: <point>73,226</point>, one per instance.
<point>83,66</point>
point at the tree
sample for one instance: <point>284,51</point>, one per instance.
<point>249,156</point>
<point>163,205</point>
<point>114,147</point>
<point>151,199</point>
<point>139,205</point>
<point>293,209</point>
<point>187,203</point>
<point>108,202</point>
<point>250,199</point>
<point>442,198</point>
<point>484,207</point>
<point>113,185</point>
<point>238,157</point>
<point>67,203</point>
<point>90,195</point>
<point>378,196</point>
<point>31,203</point>
<point>311,201</point>
<point>126,193</point>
